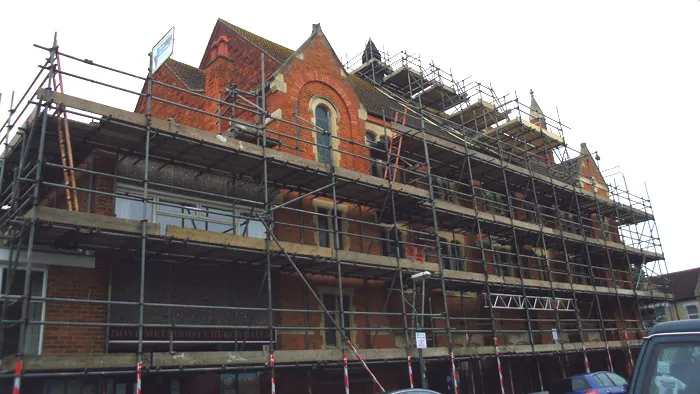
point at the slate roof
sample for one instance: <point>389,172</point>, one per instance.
<point>276,51</point>
<point>683,283</point>
<point>192,77</point>
<point>535,110</point>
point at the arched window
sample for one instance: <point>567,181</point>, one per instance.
<point>323,134</point>
<point>451,254</point>
<point>371,141</point>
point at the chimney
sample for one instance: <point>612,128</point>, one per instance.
<point>219,48</point>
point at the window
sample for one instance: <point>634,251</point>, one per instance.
<point>325,221</point>
<point>332,303</point>
<point>324,235</point>
<point>569,222</point>
<point>37,288</point>
<point>248,223</point>
<point>672,365</point>
<point>371,140</point>
<point>503,262</point>
<point>443,189</point>
<point>493,203</point>
<point>617,380</point>
<point>603,380</point>
<point>241,382</point>
<point>660,313</point>
<point>692,311</point>
<point>182,211</point>
<point>72,386</point>
<point>323,134</point>
<point>389,243</point>
<point>451,254</point>
<point>579,384</point>
<point>456,252</point>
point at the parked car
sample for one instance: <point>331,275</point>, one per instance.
<point>590,383</point>
<point>669,361</point>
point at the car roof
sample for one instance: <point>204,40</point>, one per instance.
<point>415,390</point>
<point>676,326</point>
<point>583,375</point>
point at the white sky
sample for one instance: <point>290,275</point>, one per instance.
<point>625,75</point>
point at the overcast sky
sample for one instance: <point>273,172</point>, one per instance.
<point>623,74</point>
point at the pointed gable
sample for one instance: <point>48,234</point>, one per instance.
<point>536,115</point>
<point>315,60</point>
<point>371,52</point>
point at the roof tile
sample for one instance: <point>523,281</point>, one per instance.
<point>192,77</point>
<point>277,51</point>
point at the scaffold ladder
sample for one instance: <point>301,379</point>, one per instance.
<point>64,141</point>
<point>395,150</point>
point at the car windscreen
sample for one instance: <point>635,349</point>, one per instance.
<point>672,367</point>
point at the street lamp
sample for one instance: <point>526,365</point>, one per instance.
<point>420,277</point>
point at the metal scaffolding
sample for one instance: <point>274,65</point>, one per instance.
<point>554,267</point>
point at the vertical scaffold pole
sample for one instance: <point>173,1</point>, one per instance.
<point>629,351</point>
<point>26,294</point>
<point>410,371</point>
<point>500,368</point>
<point>144,223</point>
<point>268,223</point>
<point>436,230</point>
<point>345,373</point>
<point>454,373</point>
<point>273,389</point>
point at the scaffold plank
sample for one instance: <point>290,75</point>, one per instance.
<point>98,223</point>
<point>94,361</point>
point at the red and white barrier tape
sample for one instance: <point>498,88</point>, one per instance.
<point>345,372</point>
<point>364,364</point>
<point>629,351</point>
<point>585,357</point>
<point>273,389</point>
<point>500,369</point>
<point>410,371</point>
<point>454,373</point>
<point>139,369</point>
<point>18,374</point>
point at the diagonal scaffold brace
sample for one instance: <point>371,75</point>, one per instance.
<point>320,303</point>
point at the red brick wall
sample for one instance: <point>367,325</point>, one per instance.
<point>81,283</point>
<point>319,74</point>
<point>368,296</point>
<point>76,283</point>
<point>240,64</point>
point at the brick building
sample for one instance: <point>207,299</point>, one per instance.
<point>209,229</point>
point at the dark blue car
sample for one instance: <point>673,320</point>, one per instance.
<point>590,383</point>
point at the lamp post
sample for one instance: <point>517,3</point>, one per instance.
<point>420,277</point>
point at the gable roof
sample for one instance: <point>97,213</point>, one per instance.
<point>272,49</point>
<point>535,110</point>
<point>683,283</point>
<point>192,77</point>
<point>375,101</point>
